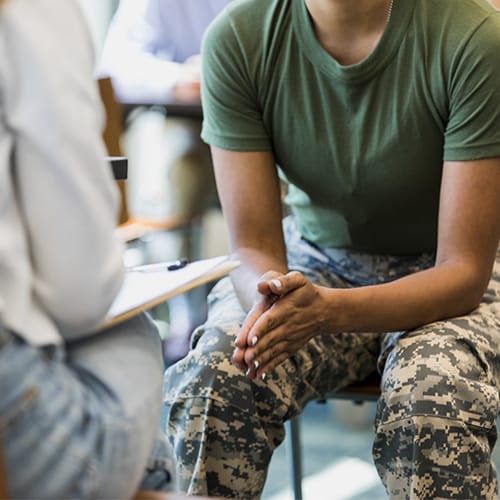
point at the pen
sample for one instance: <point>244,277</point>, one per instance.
<point>161,266</point>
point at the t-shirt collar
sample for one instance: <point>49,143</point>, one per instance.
<point>381,55</point>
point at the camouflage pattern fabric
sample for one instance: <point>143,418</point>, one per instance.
<point>436,420</point>
<point>435,424</point>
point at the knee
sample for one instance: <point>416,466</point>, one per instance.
<point>436,435</point>
<point>207,368</point>
<point>432,389</point>
<point>438,376</point>
<point>436,419</point>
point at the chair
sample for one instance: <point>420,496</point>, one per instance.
<point>367,390</point>
<point>3,474</point>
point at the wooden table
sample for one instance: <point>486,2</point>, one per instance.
<point>174,107</point>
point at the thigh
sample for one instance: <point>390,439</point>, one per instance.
<point>448,372</point>
<point>467,346</point>
<point>41,412</point>
<point>436,418</point>
<point>449,368</point>
<point>71,427</point>
<point>122,370</point>
<point>126,360</point>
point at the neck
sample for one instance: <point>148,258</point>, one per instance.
<point>356,14</point>
<point>349,29</point>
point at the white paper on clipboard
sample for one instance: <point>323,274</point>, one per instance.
<point>143,290</point>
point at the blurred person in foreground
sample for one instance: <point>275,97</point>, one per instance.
<point>152,54</point>
<point>79,405</point>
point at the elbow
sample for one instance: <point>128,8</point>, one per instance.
<point>464,284</point>
<point>83,309</point>
<point>475,298</point>
<point>464,306</point>
<point>470,295</point>
<point>82,318</point>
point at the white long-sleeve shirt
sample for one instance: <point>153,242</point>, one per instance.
<point>148,40</point>
<point>61,264</point>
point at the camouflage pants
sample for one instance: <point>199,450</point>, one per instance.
<point>435,425</point>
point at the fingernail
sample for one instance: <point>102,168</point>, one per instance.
<point>256,364</point>
<point>254,340</point>
<point>247,373</point>
<point>263,377</point>
<point>277,283</point>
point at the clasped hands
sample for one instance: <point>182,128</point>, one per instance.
<point>286,314</point>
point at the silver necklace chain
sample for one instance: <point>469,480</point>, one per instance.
<point>389,13</point>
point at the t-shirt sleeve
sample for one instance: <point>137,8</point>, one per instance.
<point>473,130</point>
<point>232,114</point>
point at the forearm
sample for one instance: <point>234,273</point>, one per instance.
<point>251,202</point>
<point>440,292</point>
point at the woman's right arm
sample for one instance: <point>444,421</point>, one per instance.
<point>249,192</point>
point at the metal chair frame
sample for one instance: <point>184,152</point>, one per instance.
<point>368,390</point>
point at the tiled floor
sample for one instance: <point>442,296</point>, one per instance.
<point>336,456</point>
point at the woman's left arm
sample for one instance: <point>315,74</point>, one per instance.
<point>468,238</point>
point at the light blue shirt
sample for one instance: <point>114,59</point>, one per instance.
<point>148,40</point>
<point>177,26</point>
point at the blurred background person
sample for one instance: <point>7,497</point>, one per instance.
<point>151,53</point>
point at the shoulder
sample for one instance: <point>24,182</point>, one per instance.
<point>42,12</point>
<point>248,19</point>
<point>458,22</point>
<point>45,27</point>
<point>34,35</point>
<point>456,38</point>
<point>47,42</point>
<point>249,27</point>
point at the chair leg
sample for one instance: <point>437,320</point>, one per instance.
<point>295,456</point>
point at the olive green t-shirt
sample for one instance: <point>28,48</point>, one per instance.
<point>361,146</point>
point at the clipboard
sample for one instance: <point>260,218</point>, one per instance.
<point>143,290</point>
